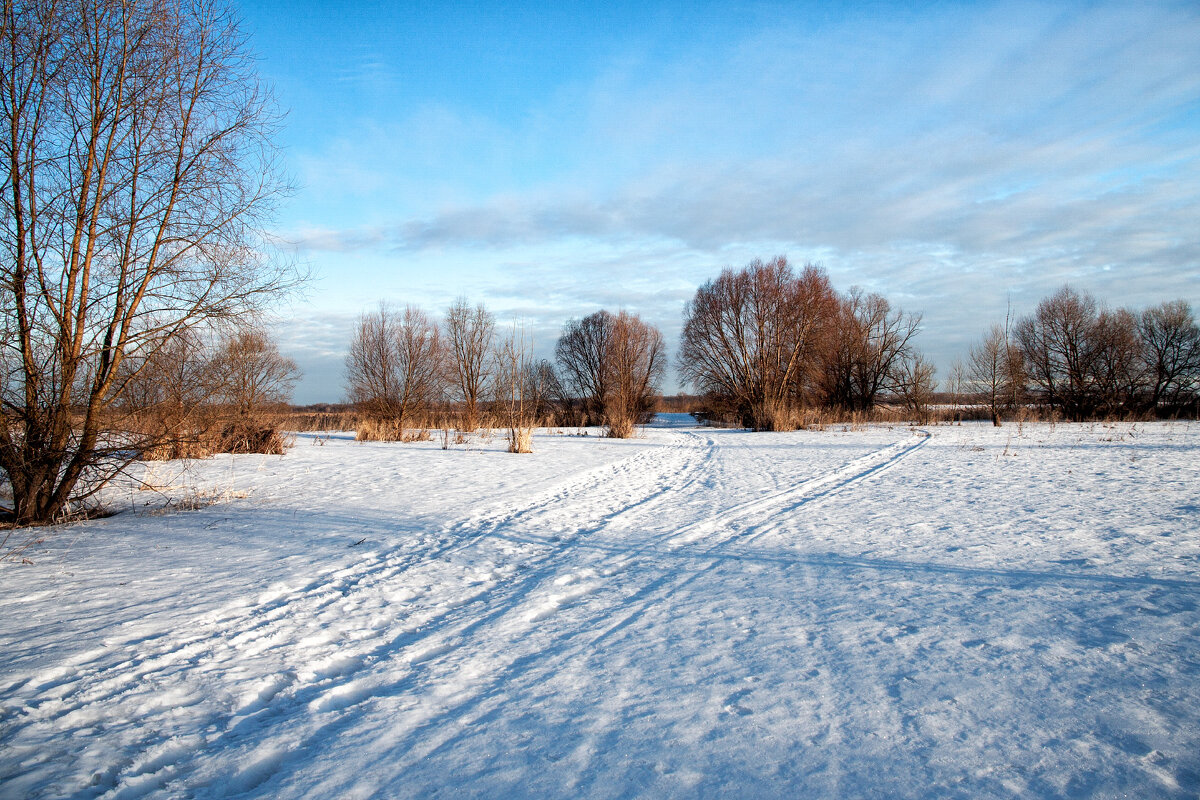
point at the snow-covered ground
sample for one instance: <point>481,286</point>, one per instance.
<point>694,613</point>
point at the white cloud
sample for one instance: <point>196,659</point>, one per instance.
<point>951,163</point>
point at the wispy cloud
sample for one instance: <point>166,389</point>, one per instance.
<point>953,162</point>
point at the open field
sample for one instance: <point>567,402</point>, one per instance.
<point>958,611</point>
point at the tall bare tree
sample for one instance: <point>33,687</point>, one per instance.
<point>582,354</point>
<point>957,384</point>
<point>635,362</point>
<point>1059,348</point>
<point>996,373</point>
<point>138,171</point>
<point>469,335</point>
<point>753,337</point>
<point>872,353</point>
<point>543,390</point>
<point>1171,356</point>
<point>613,363</point>
<point>1117,368</point>
<point>395,367</point>
<point>916,385</point>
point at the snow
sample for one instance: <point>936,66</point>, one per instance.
<point>955,611</point>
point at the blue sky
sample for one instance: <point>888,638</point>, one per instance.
<point>553,159</point>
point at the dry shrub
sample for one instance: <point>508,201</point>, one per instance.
<point>777,416</point>
<point>520,440</point>
<point>253,436</point>
<point>378,430</point>
<point>389,430</point>
<point>620,426</point>
<point>242,436</point>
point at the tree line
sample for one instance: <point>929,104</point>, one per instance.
<point>762,344</point>
<point>1081,360</point>
<point>404,369</point>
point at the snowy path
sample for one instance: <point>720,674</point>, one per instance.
<point>695,613</point>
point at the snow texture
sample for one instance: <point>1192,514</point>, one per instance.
<point>959,611</point>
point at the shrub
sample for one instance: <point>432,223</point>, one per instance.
<point>520,440</point>
<point>389,430</point>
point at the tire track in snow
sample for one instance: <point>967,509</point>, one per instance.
<point>785,501</point>
<point>506,659</point>
<point>68,697</point>
<point>331,686</point>
<point>275,604</point>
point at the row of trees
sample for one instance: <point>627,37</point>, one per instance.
<point>403,364</point>
<point>1083,360</point>
<point>763,342</point>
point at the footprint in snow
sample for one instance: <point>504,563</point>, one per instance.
<point>733,703</point>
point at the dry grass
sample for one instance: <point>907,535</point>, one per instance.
<point>619,426</point>
<point>520,440</point>
<point>389,430</point>
<point>307,422</point>
<point>255,435</point>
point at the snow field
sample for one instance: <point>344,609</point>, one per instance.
<point>958,611</point>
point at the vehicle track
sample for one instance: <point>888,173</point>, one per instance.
<point>61,699</point>
<point>281,629</point>
<point>591,630</point>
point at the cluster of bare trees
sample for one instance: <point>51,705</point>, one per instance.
<point>137,172</point>
<point>764,343</point>
<point>406,369</point>
<point>1085,361</point>
<point>612,365</point>
<point>206,393</point>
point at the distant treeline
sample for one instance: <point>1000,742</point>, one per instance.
<point>769,348</point>
<point>1077,359</point>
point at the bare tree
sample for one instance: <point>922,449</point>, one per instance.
<point>543,390</point>
<point>1171,356</point>
<point>996,373</point>
<point>137,174</point>
<point>957,385</point>
<point>872,354</point>
<point>635,362</point>
<point>582,353</point>
<point>394,366</point>
<point>254,374</point>
<point>469,335</point>
<point>613,363</point>
<point>512,363</point>
<point>915,385</point>
<point>752,339</point>
<point>1116,366</point>
<point>166,396</point>
<point>1058,345</point>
